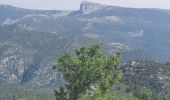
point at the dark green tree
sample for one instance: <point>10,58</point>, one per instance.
<point>87,67</point>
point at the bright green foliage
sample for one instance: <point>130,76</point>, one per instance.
<point>32,98</point>
<point>167,97</point>
<point>87,67</point>
<point>98,96</point>
<point>131,97</point>
<point>110,96</point>
<point>145,94</point>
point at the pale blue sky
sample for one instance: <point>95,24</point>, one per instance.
<point>74,4</point>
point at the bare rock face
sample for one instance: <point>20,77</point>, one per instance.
<point>89,7</point>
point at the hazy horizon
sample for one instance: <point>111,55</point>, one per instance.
<point>74,5</point>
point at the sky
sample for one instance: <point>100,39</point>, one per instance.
<point>74,4</point>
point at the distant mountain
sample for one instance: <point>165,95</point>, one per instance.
<point>89,7</point>
<point>27,57</point>
<point>14,13</point>
<point>31,39</point>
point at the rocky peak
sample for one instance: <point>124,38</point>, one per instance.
<point>89,7</point>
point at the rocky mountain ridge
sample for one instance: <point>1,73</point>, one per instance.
<point>30,40</point>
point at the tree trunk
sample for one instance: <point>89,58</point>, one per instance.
<point>75,97</point>
<point>74,94</point>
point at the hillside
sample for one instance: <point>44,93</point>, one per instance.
<point>30,40</point>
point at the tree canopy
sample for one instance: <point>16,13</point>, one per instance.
<point>87,69</point>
